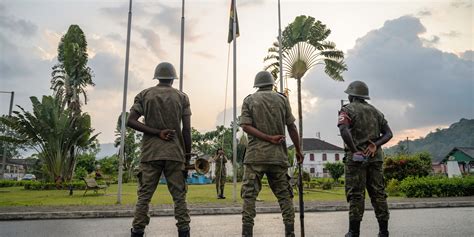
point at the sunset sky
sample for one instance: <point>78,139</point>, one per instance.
<point>416,56</point>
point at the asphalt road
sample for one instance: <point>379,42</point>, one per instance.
<point>449,222</point>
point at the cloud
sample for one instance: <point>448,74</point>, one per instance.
<point>170,19</point>
<point>451,34</point>
<point>414,85</point>
<point>120,13</point>
<point>250,3</point>
<point>468,55</point>
<point>423,13</point>
<point>153,41</point>
<point>23,27</point>
<point>431,42</point>
<point>461,4</point>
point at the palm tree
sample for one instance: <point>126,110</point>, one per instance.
<point>304,46</point>
<point>52,132</point>
<point>71,75</point>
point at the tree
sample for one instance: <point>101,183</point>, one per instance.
<point>335,169</point>
<point>71,75</point>
<point>131,147</point>
<point>52,132</point>
<point>12,150</point>
<point>304,46</point>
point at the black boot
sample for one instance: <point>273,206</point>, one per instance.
<point>383,228</point>
<point>247,230</point>
<point>184,233</point>
<point>354,229</point>
<point>289,230</point>
<point>136,233</point>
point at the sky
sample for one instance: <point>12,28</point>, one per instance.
<point>416,57</point>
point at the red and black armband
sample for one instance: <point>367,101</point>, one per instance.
<point>343,118</point>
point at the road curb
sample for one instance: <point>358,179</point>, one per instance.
<point>7,216</point>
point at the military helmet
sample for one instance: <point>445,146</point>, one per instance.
<point>263,78</point>
<point>358,89</point>
<point>165,71</point>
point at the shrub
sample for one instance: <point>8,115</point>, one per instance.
<point>402,166</point>
<point>335,169</point>
<point>77,185</point>
<point>12,183</point>
<point>327,185</point>
<point>393,187</point>
<point>437,186</point>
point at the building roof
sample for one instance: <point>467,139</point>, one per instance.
<point>314,144</point>
<point>468,151</point>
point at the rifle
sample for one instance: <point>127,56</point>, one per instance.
<point>301,201</point>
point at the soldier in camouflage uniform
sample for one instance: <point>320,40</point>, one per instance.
<point>166,140</point>
<point>264,117</point>
<point>364,130</point>
<point>221,174</point>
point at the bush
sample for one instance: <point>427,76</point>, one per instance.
<point>12,183</point>
<point>403,166</point>
<point>336,170</point>
<point>393,187</point>
<point>77,185</point>
<point>437,186</point>
<point>327,185</point>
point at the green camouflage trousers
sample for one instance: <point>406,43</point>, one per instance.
<point>362,175</point>
<point>148,179</point>
<point>221,175</point>
<point>279,182</point>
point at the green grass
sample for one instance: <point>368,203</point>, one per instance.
<point>18,196</point>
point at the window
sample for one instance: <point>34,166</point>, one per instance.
<point>311,170</point>
<point>336,157</point>
<point>311,157</point>
<point>325,158</point>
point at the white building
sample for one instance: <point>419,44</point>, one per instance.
<point>318,152</point>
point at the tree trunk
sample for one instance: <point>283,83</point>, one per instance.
<point>300,113</point>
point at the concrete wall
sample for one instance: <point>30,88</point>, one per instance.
<point>318,163</point>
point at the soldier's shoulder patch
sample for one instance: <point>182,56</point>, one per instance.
<point>343,118</point>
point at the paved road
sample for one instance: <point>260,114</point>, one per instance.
<point>449,222</point>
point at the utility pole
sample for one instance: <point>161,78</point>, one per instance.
<point>4,155</point>
<point>181,58</point>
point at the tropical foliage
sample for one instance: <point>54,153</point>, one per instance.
<point>304,45</point>
<point>131,147</point>
<point>402,166</point>
<point>71,75</point>
<point>52,132</point>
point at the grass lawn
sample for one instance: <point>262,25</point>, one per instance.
<point>18,196</point>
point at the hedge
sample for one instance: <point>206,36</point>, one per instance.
<point>77,185</point>
<point>13,183</point>
<point>437,186</point>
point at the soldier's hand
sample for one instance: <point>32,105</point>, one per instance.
<point>371,149</point>
<point>299,157</point>
<point>167,134</point>
<point>277,139</point>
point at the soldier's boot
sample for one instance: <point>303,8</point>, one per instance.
<point>184,233</point>
<point>136,233</point>
<point>289,230</point>
<point>247,230</point>
<point>383,228</point>
<point>354,229</point>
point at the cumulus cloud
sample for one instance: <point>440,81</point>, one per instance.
<point>451,34</point>
<point>23,27</point>
<point>414,85</point>
<point>153,41</point>
<point>461,4</point>
<point>423,13</point>
<point>468,55</point>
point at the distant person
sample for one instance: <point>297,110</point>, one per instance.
<point>364,130</point>
<point>265,114</point>
<point>165,146</point>
<point>220,173</point>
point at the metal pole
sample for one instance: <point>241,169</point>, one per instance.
<point>124,105</point>
<point>4,155</point>
<point>280,48</point>
<point>181,59</point>
<point>234,126</point>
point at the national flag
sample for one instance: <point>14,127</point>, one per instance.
<point>230,36</point>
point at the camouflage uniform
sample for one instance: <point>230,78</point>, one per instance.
<point>269,112</point>
<point>221,174</point>
<point>365,123</point>
<point>163,108</point>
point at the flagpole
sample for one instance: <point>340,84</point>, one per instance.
<point>234,126</point>
<point>181,60</point>
<point>124,105</point>
<point>280,48</point>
